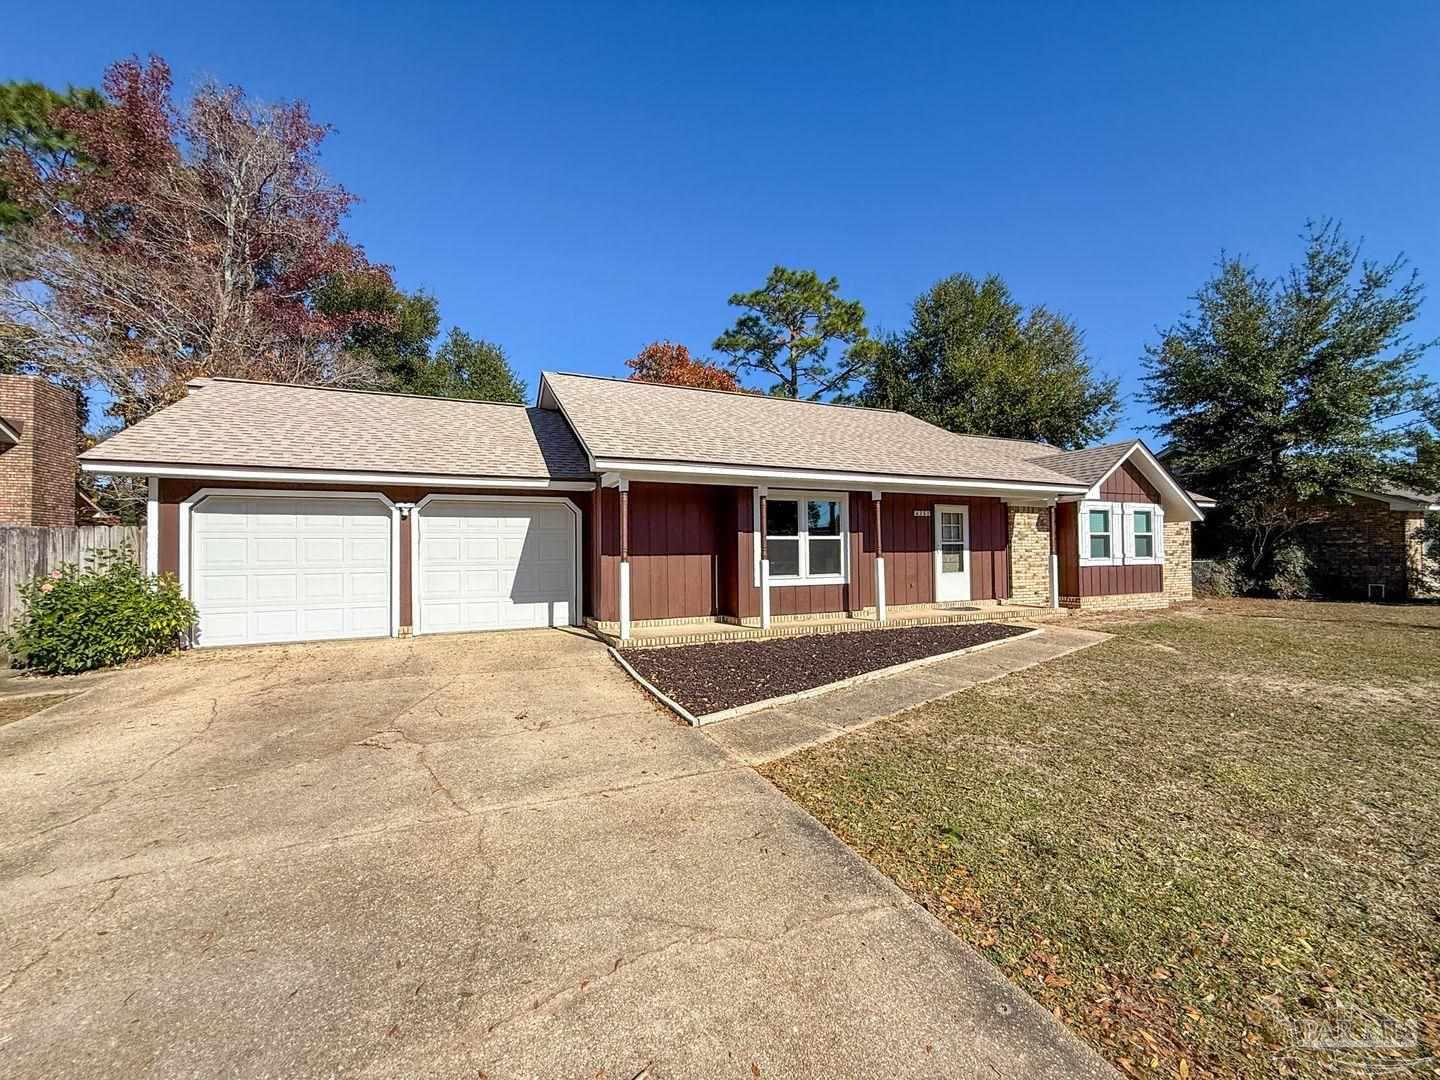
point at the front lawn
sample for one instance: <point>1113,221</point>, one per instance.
<point>1186,841</point>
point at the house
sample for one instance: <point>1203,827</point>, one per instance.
<point>293,513</point>
<point>38,442</point>
<point>1370,547</point>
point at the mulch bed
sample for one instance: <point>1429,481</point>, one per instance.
<point>724,674</point>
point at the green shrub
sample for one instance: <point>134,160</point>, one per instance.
<point>104,614</point>
<point>1221,578</point>
<point>1293,576</point>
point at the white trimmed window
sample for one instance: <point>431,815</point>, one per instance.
<point>806,535</point>
<point>1144,536</point>
<point>1116,534</point>
<point>1099,543</point>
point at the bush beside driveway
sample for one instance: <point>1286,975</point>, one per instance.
<point>1186,841</point>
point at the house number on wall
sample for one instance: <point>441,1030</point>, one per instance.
<point>922,513</point>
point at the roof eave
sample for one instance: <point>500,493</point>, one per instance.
<point>180,471</point>
<point>757,475</point>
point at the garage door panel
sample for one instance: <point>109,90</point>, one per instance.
<point>317,588</point>
<point>265,520</point>
<point>486,566</point>
<point>276,625</point>
<point>268,569</point>
<point>374,550</point>
<point>276,550</point>
<point>275,588</point>
<point>370,586</point>
<point>223,551</point>
<point>435,550</point>
<point>322,550</point>
<point>481,549</point>
<point>227,628</point>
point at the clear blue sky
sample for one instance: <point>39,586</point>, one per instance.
<point>574,182</point>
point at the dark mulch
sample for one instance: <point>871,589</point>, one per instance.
<point>723,674</point>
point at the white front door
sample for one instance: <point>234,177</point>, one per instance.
<point>272,569</point>
<point>952,553</point>
<point>495,565</point>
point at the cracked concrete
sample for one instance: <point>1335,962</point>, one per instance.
<point>469,856</point>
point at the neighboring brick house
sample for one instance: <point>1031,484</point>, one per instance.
<point>38,461</point>
<point>1370,547</point>
<point>293,513</point>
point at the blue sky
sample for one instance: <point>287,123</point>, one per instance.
<point>576,181</point>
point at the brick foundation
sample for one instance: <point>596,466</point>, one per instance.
<point>1118,602</point>
<point>37,473</point>
<point>1029,532</point>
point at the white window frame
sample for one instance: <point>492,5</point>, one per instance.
<point>1116,512</point>
<point>1122,533</point>
<point>804,578</point>
<point>1157,533</point>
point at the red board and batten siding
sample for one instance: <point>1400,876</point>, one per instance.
<point>1125,484</point>
<point>692,554</point>
<point>1129,484</point>
<point>174,492</point>
<point>909,543</point>
<point>675,551</point>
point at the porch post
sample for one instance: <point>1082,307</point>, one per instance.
<point>624,559</point>
<point>764,561</point>
<point>1054,560</point>
<point>879,559</point>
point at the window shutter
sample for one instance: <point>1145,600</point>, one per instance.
<point>1159,534</point>
<point>1126,526</point>
<point>1082,517</point>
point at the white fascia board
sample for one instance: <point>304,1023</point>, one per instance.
<point>315,476</point>
<point>1395,502</point>
<point>1158,474</point>
<point>681,472</point>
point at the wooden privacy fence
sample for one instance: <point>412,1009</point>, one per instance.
<point>27,553</point>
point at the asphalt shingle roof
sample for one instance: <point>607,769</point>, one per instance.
<point>1088,465</point>
<point>637,421</point>
<point>271,425</point>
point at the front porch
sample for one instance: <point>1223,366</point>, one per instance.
<point>675,562</point>
<point>651,634</point>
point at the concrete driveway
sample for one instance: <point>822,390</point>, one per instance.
<point>479,856</point>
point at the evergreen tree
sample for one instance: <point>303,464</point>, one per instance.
<point>974,361</point>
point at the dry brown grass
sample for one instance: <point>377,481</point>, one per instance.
<point>1187,841</point>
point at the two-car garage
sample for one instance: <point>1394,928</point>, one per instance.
<point>295,566</point>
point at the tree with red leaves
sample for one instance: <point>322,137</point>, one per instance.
<point>667,362</point>
<point>180,243</point>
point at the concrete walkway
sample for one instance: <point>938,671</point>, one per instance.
<point>775,733</point>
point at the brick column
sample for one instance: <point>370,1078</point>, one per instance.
<point>1179,578</point>
<point>1029,555</point>
<point>1415,583</point>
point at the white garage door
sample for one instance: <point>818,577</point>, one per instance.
<point>290,569</point>
<point>495,565</point>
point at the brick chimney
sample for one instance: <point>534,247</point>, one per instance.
<point>38,433</point>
